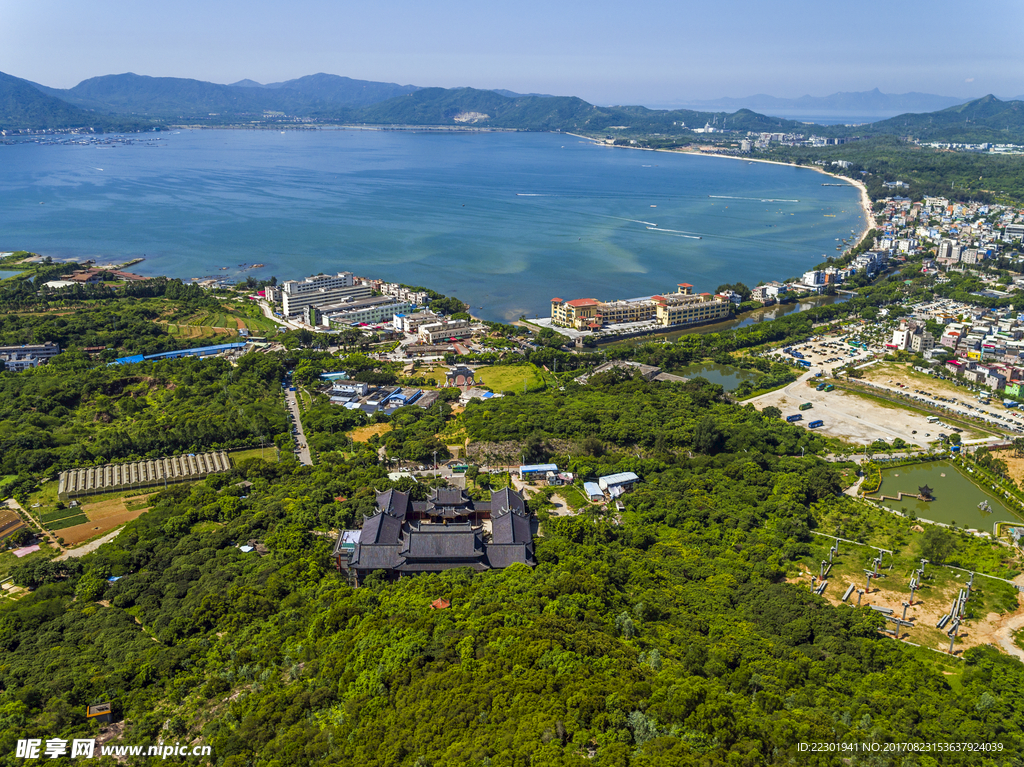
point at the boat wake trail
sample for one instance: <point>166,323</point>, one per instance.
<point>631,220</point>
<point>751,199</point>
<point>674,233</point>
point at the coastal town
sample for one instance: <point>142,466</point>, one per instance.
<point>896,365</point>
<point>589,386</point>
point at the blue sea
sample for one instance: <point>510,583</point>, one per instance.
<point>504,221</point>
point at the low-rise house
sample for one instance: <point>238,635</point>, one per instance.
<point>617,484</point>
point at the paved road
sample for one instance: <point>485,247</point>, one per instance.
<point>268,311</point>
<point>88,548</point>
<point>293,407</point>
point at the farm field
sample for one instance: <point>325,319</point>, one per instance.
<point>96,515</point>
<point>102,517</point>
<point>217,324</point>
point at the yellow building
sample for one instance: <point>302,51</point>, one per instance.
<point>580,313</point>
<point>679,308</point>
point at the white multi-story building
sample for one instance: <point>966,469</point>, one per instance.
<point>369,311</point>
<point>320,290</point>
<point>445,330</point>
<point>414,297</point>
<point>912,337</point>
<point>972,256</point>
<point>411,323</point>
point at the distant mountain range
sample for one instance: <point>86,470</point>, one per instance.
<point>871,103</point>
<point>136,102</point>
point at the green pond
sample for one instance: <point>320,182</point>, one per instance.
<point>956,496</point>
<point>4,274</point>
<point>725,376</point>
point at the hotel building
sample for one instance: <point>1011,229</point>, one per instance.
<point>680,308</point>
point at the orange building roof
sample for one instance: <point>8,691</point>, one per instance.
<point>583,302</point>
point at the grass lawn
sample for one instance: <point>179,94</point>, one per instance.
<point>573,496</point>
<point>501,378</point>
<point>5,480</point>
<point>268,454</point>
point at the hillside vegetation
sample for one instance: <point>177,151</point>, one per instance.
<point>670,638</point>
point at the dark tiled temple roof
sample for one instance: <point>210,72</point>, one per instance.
<point>510,527</point>
<point>393,502</point>
<point>444,542</point>
<point>507,500</point>
<point>381,530</point>
<point>499,556</point>
<point>376,557</point>
<point>388,541</point>
<point>449,496</point>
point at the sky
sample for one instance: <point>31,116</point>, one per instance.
<point>653,52</point>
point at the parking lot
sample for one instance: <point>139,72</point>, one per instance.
<point>861,420</point>
<point>849,417</point>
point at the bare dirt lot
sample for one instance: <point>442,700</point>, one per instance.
<point>1015,466</point>
<point>930,605</point>
<point>847,416</point>
<point>363,433</point>
<point>103,517</point>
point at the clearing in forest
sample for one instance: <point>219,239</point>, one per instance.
<point>104,516</point>
<point>364,433</point>
<point>994,609</point>
<point>502,378</point>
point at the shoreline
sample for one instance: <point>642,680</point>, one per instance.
<point>865,199</point>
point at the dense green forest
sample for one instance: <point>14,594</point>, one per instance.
<point>930,172</point>
<point>72,413</point>
<point>670,638</point>
<point>666,634</point>
<point>24,107</point>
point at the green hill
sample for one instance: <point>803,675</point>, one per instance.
<point>181,98</point>
<point>335,89</point>
<point>331,98</point>
<point>455,106</point>
<point>175,97</point>
<point>983,120</point>
<point>25,107</point>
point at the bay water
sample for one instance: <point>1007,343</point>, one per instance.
<point>504,221</point>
